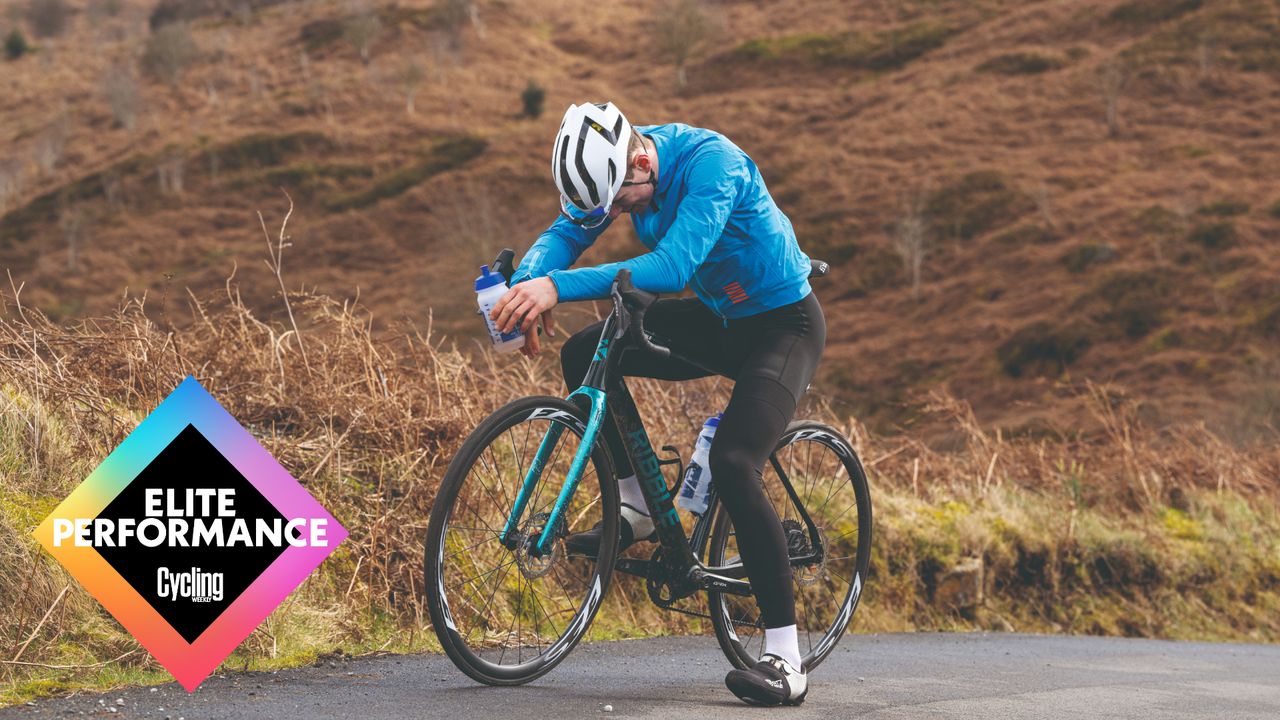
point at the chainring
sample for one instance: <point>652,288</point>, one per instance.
<point>662,593</point>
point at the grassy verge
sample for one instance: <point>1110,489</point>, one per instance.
<point>1134,531</point>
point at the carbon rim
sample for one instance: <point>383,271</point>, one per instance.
<point>828,478</point>
<point>511,615</point>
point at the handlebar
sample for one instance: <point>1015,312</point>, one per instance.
<point>628,297</point>
<point>630,302</point>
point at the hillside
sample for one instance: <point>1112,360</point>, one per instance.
<point>1059,246</point>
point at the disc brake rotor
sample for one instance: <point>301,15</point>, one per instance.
<point>533,566</point>
<point>799,544</point>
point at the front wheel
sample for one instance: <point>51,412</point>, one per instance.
<point>820,465</point>
<point>506,612</point>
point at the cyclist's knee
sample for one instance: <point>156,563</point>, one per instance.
<point>732,464</point>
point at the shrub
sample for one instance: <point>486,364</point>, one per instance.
<point>169,53</point>
<point>105,8</point>
<point>48,18</point>
<point>173,11</point>
<point>1275,210</point>
<point>899,46</point>
<point>532,99</point>
<point>680,28</point>
<point>1160,221</point>
<point>1236,35</point>
<point>885,50</point>
<point>361,30</point>
<point>1213,235</point>
<point>975,204</point>
<point>10,182</point>
<point>1133,301</point>
<point>15,45</point>
<point>51,144</point>
<point>1024,234</point>
<point>911,239</point>
<point>453,16</point>
<point>120,89</point>
<point>412,73</point>
<point>1267,318</point>
<point>1224,208</point>
<point>1020,64</point>
<point>311,176</point>
<point>878,267</point>
<point>1079,258</point>
<point>445,156</point>
<point>266,150</point>
<point>320,33</point>
<point>1042,348</point>
<point>1151,12</point>
<point>1166,339</point>
<point>1113,77</point>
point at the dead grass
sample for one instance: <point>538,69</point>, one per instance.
<point>1131,531</point>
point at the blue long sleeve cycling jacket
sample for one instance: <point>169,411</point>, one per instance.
<point>712,224</point>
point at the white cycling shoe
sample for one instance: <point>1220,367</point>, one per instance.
<point>773,681</point>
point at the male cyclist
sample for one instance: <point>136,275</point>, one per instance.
<point>700,206</point>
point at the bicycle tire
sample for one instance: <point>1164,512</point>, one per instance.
<point>442,572</point>
<point>725,608</point>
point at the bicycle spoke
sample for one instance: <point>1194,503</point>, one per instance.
<point>846,580</point>
<point>494,594</point>
<point>483,574</point>
<point>503,504</point>
<point>491,531</point>
<point>495,615</point>
<point>520,470</point>
<point>808,460</point>
<point>820,478</point>
<point>519,617</point>
<point>469,547</point>
<point>547,615</point>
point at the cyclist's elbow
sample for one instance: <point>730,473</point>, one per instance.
<point>675,274</point>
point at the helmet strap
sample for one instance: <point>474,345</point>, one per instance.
<point>651,181</point>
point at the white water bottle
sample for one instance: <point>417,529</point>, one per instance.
<point>490,287</point>
<point>695,491</point>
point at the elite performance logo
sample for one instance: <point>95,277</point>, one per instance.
<point>190,533</point>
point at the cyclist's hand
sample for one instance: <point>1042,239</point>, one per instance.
<point>531,343</point>
<point>523,304</point>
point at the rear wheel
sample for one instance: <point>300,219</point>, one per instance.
<point>505,613</point>
<point>828,479</point>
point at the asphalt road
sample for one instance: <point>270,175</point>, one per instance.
<point>868,676</point>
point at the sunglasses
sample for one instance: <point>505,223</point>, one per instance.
<point>594,218</point>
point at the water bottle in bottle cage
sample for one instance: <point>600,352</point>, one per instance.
<point>696,489</point>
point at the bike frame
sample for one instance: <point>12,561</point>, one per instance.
<point>679,565</point>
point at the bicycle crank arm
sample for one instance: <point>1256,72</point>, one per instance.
<point>736,571</point>
<point>719,583</point>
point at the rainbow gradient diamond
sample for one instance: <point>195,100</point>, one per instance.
<point>190,407</point>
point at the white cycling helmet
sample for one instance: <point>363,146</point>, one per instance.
<point>589,161</point>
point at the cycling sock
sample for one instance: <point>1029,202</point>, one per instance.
<point>631,494</point>
<point>641,524</point>
<point>783,643</point>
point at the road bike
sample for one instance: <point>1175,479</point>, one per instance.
<point>508,602</point>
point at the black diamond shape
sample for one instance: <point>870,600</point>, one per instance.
<point>190,461</point>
